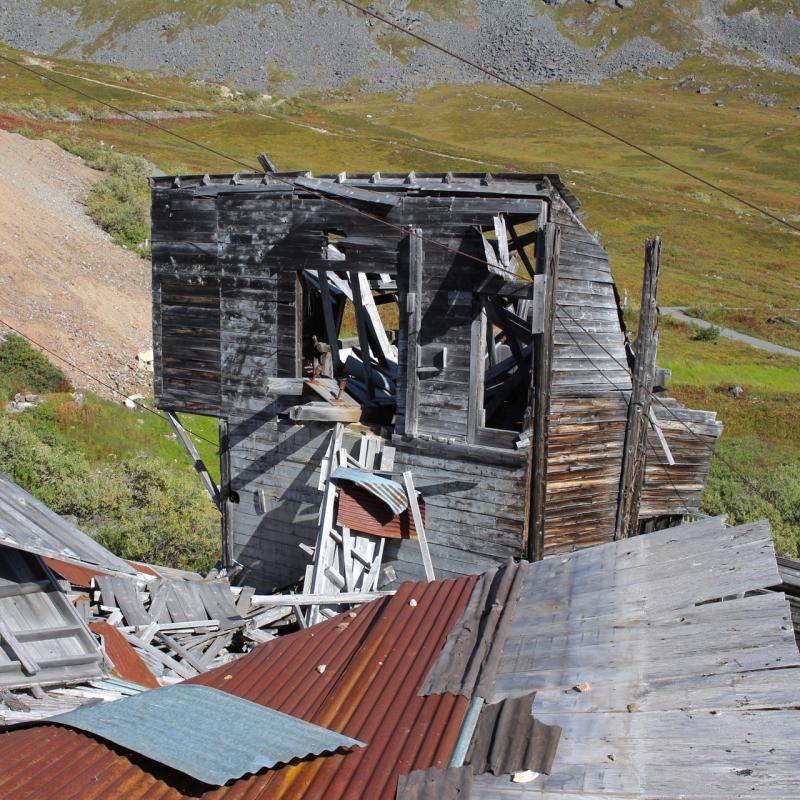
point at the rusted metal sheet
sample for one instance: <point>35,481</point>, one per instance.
<point>358,674</point>
<point>361,511</point>
<point>508,739</point>
<point>127,662</point>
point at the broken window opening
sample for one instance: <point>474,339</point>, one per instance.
<point>502,338</point>
<point>350,328</point>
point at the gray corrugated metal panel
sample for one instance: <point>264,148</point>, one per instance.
<point>470,656</point>
<point>208,734</point>
<point>27,524</point>
<point>389,491</point>
<point>43,640</point>
<point>508,739</point>
<point>454,783</point>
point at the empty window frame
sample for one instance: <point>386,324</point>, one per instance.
<point>502,340</point>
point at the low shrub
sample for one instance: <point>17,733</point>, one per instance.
<point>709,334</point>
<point>120,202</point>
<point>23,369</point>
<point>141,508</point>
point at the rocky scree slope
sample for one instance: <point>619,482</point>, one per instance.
<point>295,45</point>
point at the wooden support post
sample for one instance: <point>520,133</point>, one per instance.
<point>644,370</point>
<point>197,462</point>
<point>363,338</point>
<point>542,381</point>
<point>331,330</point>
<point>414,312</point>
<point>226,522</point>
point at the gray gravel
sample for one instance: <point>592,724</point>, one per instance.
<point>325,45</point>
<point>677,313</point>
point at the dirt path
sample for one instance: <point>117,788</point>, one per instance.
<point>62,280</point>
<point>761,344</point>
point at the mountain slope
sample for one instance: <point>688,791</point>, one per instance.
<point>307,44</point>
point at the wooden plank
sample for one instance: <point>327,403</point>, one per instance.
<point>26,661</point>
<point>197,462</point>
<point>413,311</point>
<point>408,480</point>
<point>325,412</point>
<point>331,329</point>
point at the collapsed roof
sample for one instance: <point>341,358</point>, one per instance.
<point>670,669</point>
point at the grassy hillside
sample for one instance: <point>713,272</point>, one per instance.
<point>120,474</point>
<point>718,255</point>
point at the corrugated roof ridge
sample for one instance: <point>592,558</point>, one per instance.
<point>470,656</point>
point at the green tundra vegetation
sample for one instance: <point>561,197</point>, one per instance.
<point>721,258</point>
<point>119,473</point>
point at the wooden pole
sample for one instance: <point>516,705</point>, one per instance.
<point>644,370</point>
<point>543,375</point>
<point>226,524</point>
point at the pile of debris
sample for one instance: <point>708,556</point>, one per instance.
<point>78,625</point>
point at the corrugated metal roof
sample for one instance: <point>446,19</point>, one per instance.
<point>27,524</point>
<point>386,490</point>
<point>454,783</point>
<point>508,739</point>
<point>470,655</point>
<point>374,661</point>
<point>211,735</point>
<point>127,662</point>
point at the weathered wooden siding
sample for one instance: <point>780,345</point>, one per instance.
<point>691,436</point>
<point>186,304</point>
<point>588,405</point>
<point>475,507</point>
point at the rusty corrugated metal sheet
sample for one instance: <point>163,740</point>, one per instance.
<point>374,664</point>
<point>80,575</point>
<point>508,739</point>
<point>127,662</point>
<point>471,654</point>
<point>361,511</point>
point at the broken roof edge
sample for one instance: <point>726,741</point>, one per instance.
<point>45,533</point>
<point>485,183</point>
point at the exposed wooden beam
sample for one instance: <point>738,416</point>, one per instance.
<point>543,375</point>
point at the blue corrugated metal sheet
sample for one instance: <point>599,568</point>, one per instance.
<point>389,491</point>
<point>203,732</point>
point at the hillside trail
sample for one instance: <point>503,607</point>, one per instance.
<point>63,282</point>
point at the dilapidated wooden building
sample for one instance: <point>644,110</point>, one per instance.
<point>464,327</point>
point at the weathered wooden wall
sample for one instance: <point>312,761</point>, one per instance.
<point>186,302</point>
<point>228,308</point>
<point>588,405</point>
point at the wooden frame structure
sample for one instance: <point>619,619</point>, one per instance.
<point>468,320</point>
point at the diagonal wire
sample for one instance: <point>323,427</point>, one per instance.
<point>382,221</point>
<point>101,382</point>
<point>578,117</point>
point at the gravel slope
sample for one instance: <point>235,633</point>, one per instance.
<point>62,280</point>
